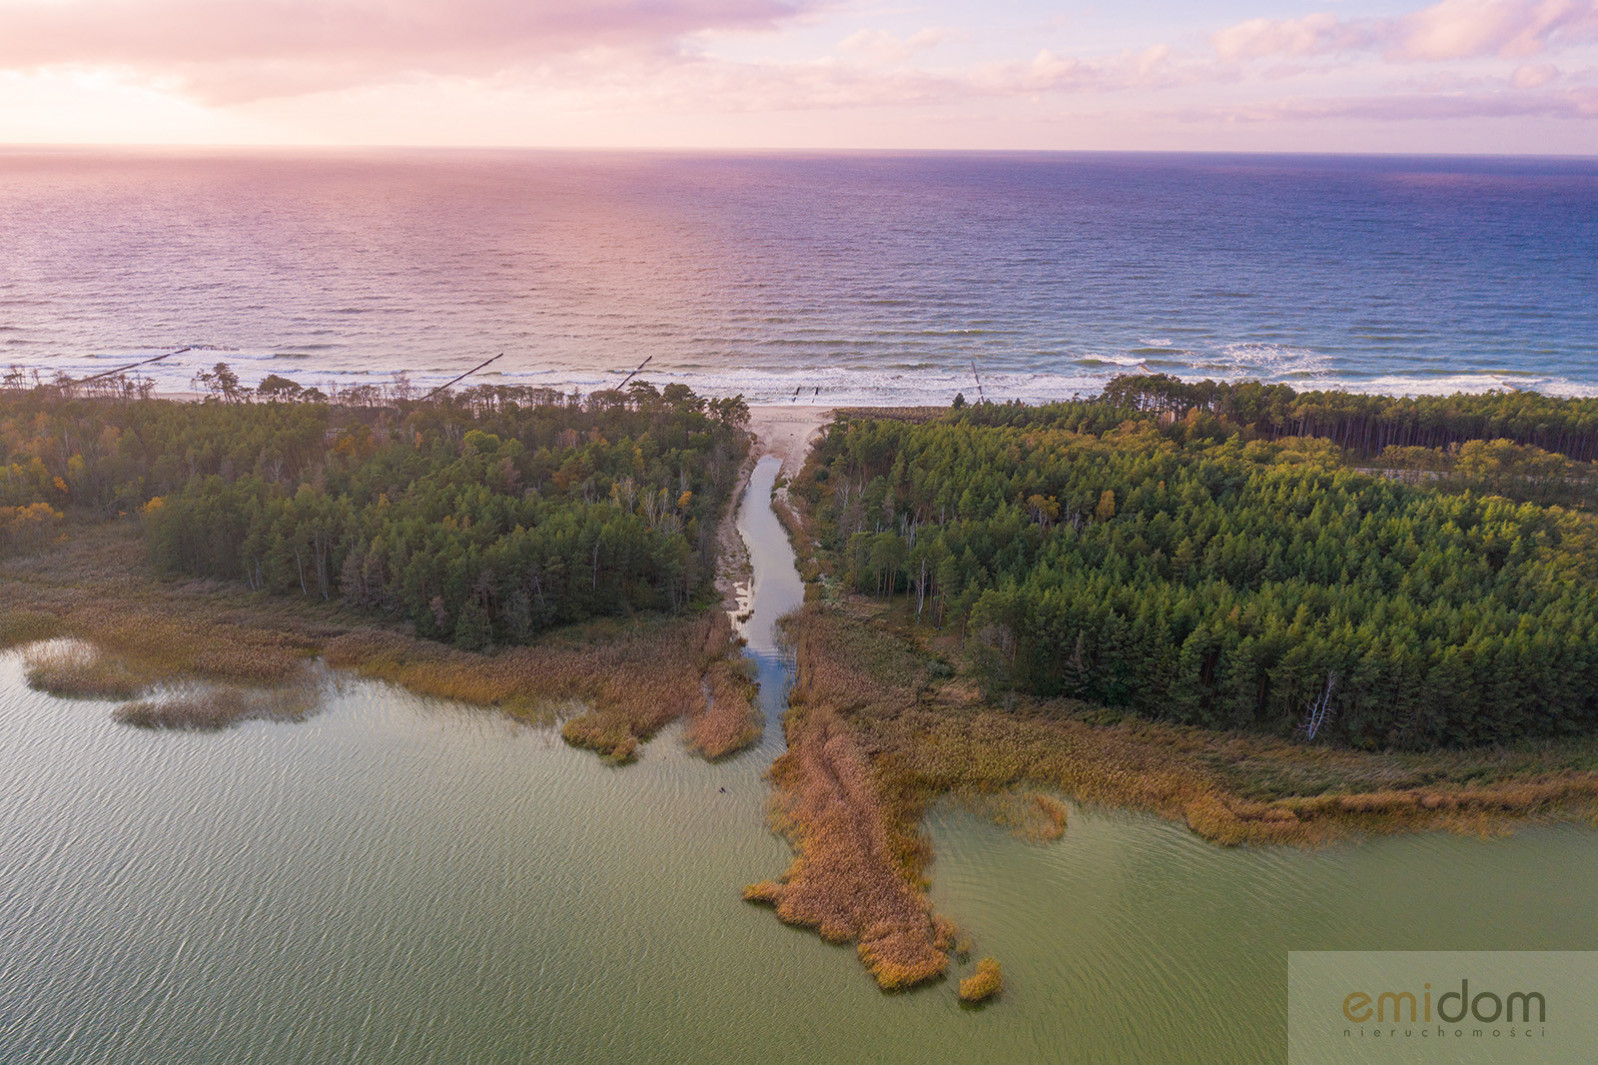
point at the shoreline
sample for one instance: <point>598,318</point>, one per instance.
<point>789,432</point>
<point>931,386</point>
<point>292,628</point>
<point>884,727</point>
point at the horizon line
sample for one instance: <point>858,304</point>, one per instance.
<point>248,146</point>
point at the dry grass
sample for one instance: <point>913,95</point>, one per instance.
<point>730,720</point>
<point>847,879</point>
<point>914,415</point>
<point>218,708</point>
<point>633,677</point>
<point>930,736</point>
<point>76,670</point>
<point>983,984</point>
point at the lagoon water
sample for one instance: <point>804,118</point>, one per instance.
<point>399,880</point>
<point>847,278</point>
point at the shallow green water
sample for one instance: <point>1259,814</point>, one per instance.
<point>400,880</point>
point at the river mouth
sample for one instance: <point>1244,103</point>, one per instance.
<point>399,879</point>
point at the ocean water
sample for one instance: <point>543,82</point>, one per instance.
<point>839,277</point>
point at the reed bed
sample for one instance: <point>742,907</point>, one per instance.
<point>800,535</point>
<point>878,728</point>
<point>632,677</point>
<point>133,646</point>
<point>214,644</point>
<point>929,737</point>
<point>77,670</point>
<point>92,587</point>
<point>635,677</point>
<point>983,984</point>
<point>24,626</point>
<point>217,708</point>
<point>1029,815</point>
<point>730,720</point>
<point>853,663</point>
<point>846,881</point>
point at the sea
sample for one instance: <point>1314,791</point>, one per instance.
<point>803,278</point>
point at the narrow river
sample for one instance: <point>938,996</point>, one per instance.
<point>400,880</point>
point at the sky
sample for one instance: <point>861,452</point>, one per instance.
<point>1456,76</point>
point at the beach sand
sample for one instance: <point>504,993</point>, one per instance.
<point>787,432</point>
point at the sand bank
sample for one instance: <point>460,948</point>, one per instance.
<point>787,432</point>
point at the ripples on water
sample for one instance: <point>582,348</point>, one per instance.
<point>401,880</point>
<point>869,276</point>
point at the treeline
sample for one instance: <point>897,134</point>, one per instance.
<point>1496,467</point>
<point>482,517</point>
<point>1196,575</point>
<point>1369,424</point>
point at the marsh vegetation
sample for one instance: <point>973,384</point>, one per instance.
<point>1172,612</point>
<point>505,546</point>
<point>987,981</point>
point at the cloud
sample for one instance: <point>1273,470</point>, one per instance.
<point>1046,72</point>
<point>1462,29</point>
<point>660,58</point>
<point>1311,35</point>
<point>830,83</point>
<point>1429,107</point>
<point>1448,30</point>
<point>884,49</point>
<point>231,50</point>
<point>1534,76</point>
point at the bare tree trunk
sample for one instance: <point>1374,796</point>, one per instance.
<point>1316,712</point>
<point>921,589</point>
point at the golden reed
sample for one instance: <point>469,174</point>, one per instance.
<point>983,984</point>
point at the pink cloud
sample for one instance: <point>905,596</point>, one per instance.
<point>705,82</point>
<point>1447,30</point>
<point>1534,76</point>
<point>1152,68</point>
<point>1307,36</point>
<point>883,48</point>
<point>1431,107</point>
<point>1461,29</point>
<point>640,56</point>
<point>242,49</point>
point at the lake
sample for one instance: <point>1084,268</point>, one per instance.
<point>403,880</point>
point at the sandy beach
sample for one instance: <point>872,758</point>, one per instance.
<point>787,432</point>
